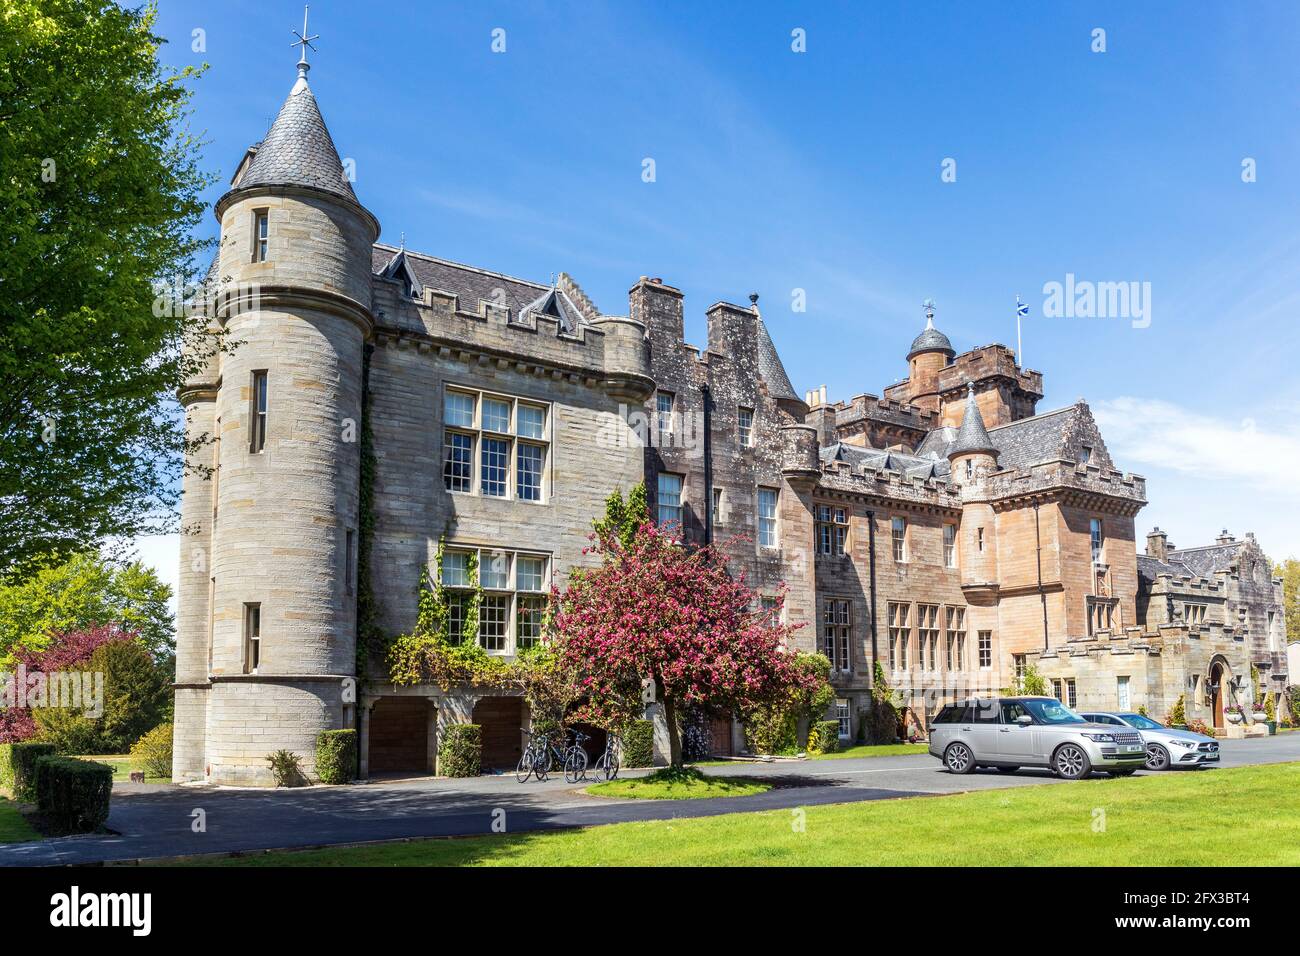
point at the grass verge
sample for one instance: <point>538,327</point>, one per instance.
<point>683,784</point>
<point>874,750</point>
<point>14,828</point>
<point>1193,818</point>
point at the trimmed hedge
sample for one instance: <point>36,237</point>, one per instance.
<point>336,755</point>
<point>73,795</point>
<point>460,752</point>
<point>824,737</point>
<point>18,769</point>
<point>638,744</point>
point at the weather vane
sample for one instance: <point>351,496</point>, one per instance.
<point>304,41</point>
<point>928,306</point>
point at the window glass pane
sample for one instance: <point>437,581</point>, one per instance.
<point>496,415</point>
<point>493,617</point>
<point>457,602</point>
<point>670,498</point>
<point>455,569</point>
<point>745,425</point>
<point>494,569</point>
<point>530,573</point>
<point>458,461</point>
<point>496,459</point>
<point>528,472</point>
<point>767,517</point>
<point>458,410</point>
<point>532,612</point>
<point>531,420</point>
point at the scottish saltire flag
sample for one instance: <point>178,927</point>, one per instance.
<point>1021,308</point>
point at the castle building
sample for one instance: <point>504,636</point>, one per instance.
<point>948,531</point>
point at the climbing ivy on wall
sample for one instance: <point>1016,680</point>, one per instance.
<point>370,641</point>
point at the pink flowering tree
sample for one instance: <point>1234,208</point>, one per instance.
<point>65,652</point>
<point>673,616</point>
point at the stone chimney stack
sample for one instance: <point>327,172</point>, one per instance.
<point>1224,538</point>
<point>1158,545</point>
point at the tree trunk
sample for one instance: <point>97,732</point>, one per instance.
<point>674,735</point>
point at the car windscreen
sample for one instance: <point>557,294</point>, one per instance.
<point>1052,712</point>
<point>1140,722</point>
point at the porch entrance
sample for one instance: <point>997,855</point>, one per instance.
<point>1216,702</point>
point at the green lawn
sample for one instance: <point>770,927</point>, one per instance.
<point>13,828</point>
<point>875,750</point>
<point>122,766</point>
<point>688,784</point>
<point>1173,819</point>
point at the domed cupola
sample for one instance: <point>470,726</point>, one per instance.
<point>930,339</point>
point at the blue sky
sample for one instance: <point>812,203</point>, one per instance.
<point>820,171</point>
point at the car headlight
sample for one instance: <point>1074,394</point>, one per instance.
<point>1101,738</point>
<point>1189,744</point>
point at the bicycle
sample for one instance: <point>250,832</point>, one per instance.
<point>607,763</point>
<point>534,759</point>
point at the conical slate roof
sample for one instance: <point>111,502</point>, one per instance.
<point>770,367</point>
<point>298,150</point>
<point>972,437</point>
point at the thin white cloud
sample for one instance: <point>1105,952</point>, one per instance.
<point>1143,431</point>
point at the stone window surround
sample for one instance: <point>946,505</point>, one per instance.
<point>745,426</point>
<point>510,590</point>
<point>774,518</point>
<point>946,628</point>
<point>832,530</point>
<point>476,433</point>
<point>837,633</point>
<point>898,542</point>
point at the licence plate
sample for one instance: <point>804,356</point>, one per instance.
<point>1132,747</point>
<point>1210,757</point>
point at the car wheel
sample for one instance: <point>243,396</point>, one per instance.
<point>1071,762</point>
<point>959,759</point>
<point>1157,758</point>
<point>1007,769</point>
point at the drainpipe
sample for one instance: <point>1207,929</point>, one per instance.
<point>708,463</point>
<point>1042,595</point>
<point>871,562</point>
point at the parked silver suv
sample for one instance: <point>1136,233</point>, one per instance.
<point>1013,732</point>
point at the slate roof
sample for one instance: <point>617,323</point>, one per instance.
<point>472,285</point>
<point>770,367</point>
<point>972,435</point>
<point>1029,441</point>
<point>882,459</point>
<point>298,150</point>
<point>930,340</point>
<point>1203,562</point>
<point>1149,568</point>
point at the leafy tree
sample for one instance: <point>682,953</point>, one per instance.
<point>83,592</point>
<point>622,518</point>
<point>1029,684</point>
<point>774,727</point>
<point>137,693</point>
<point>676,618</point>
<point>100,192</point>
<point>1289,572</point>
<point>69,651</point>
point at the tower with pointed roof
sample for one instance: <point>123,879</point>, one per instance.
<point>973,457</point>
<point>277,523</point>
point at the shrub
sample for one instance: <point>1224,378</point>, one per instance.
<point>18,769</point>
<point>1178,716</point>
<point>336,755</point>
<point>152,753</point>
<point>824,737</point>
<point>771,730</point>
<point>881,721</point>
<point>460,751</point>
<point>1199,727</point>
<point>73,795</point>
<point>638,744</point>
<point>285,769</point>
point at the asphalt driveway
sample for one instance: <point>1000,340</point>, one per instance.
<point>162,821</point>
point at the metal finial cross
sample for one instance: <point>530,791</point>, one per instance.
<point>928,306</point>
<point>304,39</point>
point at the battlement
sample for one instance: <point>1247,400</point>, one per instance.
<point>862,479</point>
<point>1124,492</point>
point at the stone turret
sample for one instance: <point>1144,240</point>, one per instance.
<point>929,355</point>
<point>974,457</point>
<point>276,658</point>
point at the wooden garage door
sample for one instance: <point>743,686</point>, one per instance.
<point>399,735</point>
<point>500,719</point>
